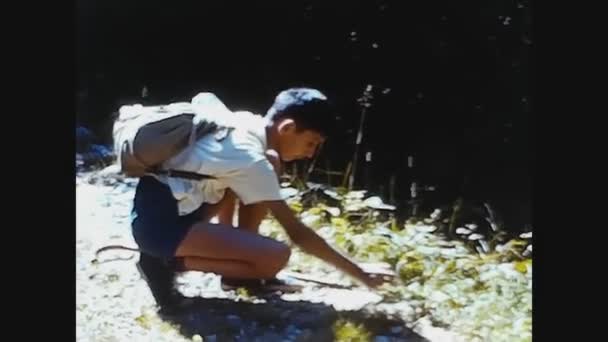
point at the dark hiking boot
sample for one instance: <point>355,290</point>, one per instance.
<point>159,275</point>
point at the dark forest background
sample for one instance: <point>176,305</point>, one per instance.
<point>450,107</point>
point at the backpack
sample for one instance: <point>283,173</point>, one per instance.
<point>146,136</point>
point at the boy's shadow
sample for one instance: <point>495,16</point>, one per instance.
<point>217,319</point>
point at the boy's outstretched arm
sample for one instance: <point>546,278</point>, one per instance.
<point>313,244</point>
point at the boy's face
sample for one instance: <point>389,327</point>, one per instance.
<point>298,145</point>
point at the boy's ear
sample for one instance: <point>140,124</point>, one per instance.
<point>287,126</point>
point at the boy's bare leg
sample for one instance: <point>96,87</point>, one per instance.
<point>227,205</point>
<point>223,210</point>
<point>233,253</point>
<point>250,216</point>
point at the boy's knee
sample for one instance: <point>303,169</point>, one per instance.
<point>281,255</point>
<point>276,260</point>
<point>284,254</point>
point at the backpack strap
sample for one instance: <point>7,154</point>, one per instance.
<point>182,174</point>
<point>220,134</point>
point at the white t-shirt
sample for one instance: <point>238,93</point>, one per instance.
<point>238,162</point>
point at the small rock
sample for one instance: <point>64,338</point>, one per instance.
<point>356,206</point>
<point>314,186</point>
<point>527,235</point>
<point>332,194</point>
<point>288,192</point>
<point>131,182</point>
<point>375,202</point>
<point>528,251</point>
<point>359,194</point>
<point>310,220</point>
<point>435,214</point>
<point>426,228</point>
<point>471,226</point>
<point>463,231</point>
<point>110,170</point>
<point>333,211</point>
<point>197,338</point>
<point>474,237</point>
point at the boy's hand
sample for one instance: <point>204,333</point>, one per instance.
<point>375,274</point>
<point>373,280</point>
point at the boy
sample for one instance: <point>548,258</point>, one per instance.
<point>172,217</point>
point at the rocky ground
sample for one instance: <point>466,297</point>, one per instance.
<point>471,284</point>
<point>114,304</point>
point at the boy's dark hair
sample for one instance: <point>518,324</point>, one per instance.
<point>308,107</point>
